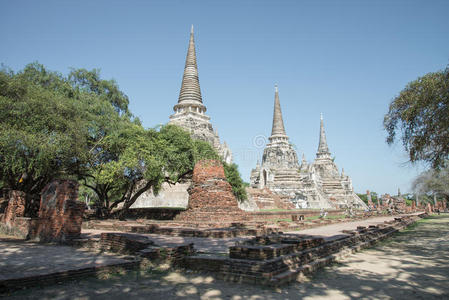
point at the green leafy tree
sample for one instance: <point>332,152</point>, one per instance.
<point>421,115</point>
<point>364,198</point>
<point>234,178</point>
<point>84,81</point>
<point>145,159</point>
<point>80,127</point>
<point>433,182</point>
<point>43,131</point>
<point>51,125</point>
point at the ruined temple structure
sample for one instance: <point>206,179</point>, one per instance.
<point>337,187</point>
<point>210,197</point>
<point>59,218</point>
<point>280,170</point>
<point>394,204</point>
<point>190,112</point>
<point>315,185</point>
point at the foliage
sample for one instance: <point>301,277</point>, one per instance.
<point>145,159</point>
<point>364,197</point>
<point>433,182</point>
<point>233,177</point>
<point>79,127</point>
<point>51,124</point>
<point>84,81</point>
<point>421,114</point>
<point>44,130</point>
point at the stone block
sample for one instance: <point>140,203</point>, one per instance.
<point>60,215</point>
<point>210,197</point>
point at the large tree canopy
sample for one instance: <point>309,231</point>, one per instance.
<point>43,128</point>
<point>79,126</point>
<point>132,160</point>
<point>420,115</point>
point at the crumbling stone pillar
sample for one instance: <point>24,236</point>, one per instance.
<point>210,187</point>
<point>370,201</point>
<point>15,208</point>
<point>210,197</point>
<point>60,215</point>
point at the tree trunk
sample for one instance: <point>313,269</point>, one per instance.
<point>132,198</point>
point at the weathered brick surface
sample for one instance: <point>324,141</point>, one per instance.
<point>15,208</point>
<point>60,215</point>
<point>266,199</point>
<point>171,254</point>
<point>210,197</point>
<point>69,275</point>
<point>268,247</point>
<point>210,187</point>
<point>123,242</point>
<point>274,260</point>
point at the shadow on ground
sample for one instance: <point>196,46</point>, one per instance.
<point>411,265</point>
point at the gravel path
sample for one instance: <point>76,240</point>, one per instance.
<point>412,265</point>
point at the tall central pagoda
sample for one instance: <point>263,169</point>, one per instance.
<point>190,112</point>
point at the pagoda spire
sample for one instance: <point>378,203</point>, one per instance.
<point>278,124</point>
<point>323,149</point>
<point>190,88</point>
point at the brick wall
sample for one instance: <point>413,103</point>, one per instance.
<point>60,215</point>
<point>152,213</point>
<point>210,197</point>
<point>210,187</point>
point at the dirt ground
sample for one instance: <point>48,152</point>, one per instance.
<point>412,265</point>
<point>20,259</point>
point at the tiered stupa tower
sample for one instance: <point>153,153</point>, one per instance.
<point>279,168</point>
<point>337,187</point>
<point>190,112</point>
<point>323,162</point>
<point>308,185</point>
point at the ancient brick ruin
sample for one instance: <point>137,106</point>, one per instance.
<point>13,221</point>
<point>210,197</point>
<point>394,204</point>
<point>266,199</point>
<point>60,215</point>
<point>278,259</point>
<point>15,208</point>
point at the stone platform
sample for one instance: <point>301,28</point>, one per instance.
<point>25,264</point>
<point>269,259</point>
<point>278,259</point>
<point>218,240</point>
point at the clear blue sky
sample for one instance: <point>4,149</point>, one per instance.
<point>347,59</point>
